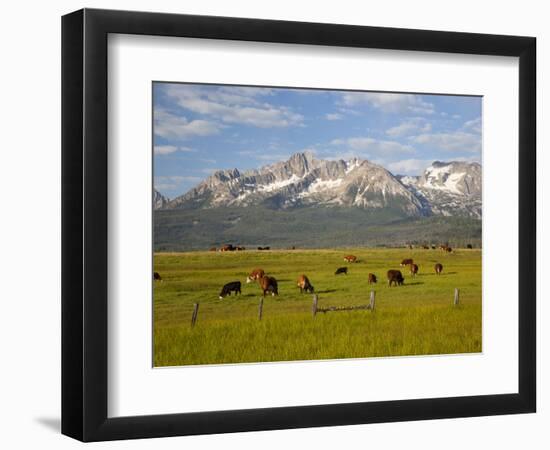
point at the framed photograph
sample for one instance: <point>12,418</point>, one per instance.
<point>273,224</point>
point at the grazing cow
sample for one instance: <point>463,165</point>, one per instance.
<point>350,258</point>
<point>469,246</point>
<point>156,276</point>
<point>304,284</point>
<point>240,248</point>
<point>372,278</point>
<point>264,248</point>
<point>438,269</point>
<point>395,277</point>
<point>227,248</point>
<point>268,284</point>
<point>256,274</point>
<point>433,247</point>
<point>448,249</point>
<point>426,247</point>
<point>341,270</point>
<point>234,286</point>
<point>414,269</point>
<point>406,262</point>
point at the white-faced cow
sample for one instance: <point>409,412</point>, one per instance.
<point>255,275</point>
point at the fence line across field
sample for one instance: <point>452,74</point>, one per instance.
<point>316,309</point>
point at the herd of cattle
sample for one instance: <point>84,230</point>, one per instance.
<point>268,284</point>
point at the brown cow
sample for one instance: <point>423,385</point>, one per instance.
<point>395,276</point>
<point>414,269</point>
<point>304,284</point>
<point>438,269</point>
<point>372,278</point>
<point>350,258</point>
<point>227,248</point>
<point>156,276</point>
<point>256,274</point>
<point>406,262</point>
<point>448,249</point>
<point>268,284</point>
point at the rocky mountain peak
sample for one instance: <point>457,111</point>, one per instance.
<point>302,180</point>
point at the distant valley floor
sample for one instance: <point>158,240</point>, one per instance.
<point>312,227</point>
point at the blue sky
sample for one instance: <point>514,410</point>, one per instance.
<point>199,129</point>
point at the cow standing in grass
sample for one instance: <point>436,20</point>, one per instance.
<point>304,284</point>
<point>268,284</point>
<point>156,276</point>
<point>372,278</point>
<point>341,270</point>
<point>234,286</point>
<point>255,275</point>
<point>438,268</point>
<point>350,258</point>
<point>395,277</point>
<point>414,270</point>
<point>406,262</point>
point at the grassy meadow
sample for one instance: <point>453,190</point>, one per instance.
<point>417,318</point>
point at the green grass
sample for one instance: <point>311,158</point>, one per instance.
<point>415,319</point>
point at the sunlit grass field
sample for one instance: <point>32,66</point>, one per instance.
<point>417,318</point>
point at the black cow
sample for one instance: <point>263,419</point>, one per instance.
<point>341,270</point>
<point>395,277</point>
<point>234,286</point>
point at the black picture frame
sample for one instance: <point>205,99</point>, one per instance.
<point>84,224</point>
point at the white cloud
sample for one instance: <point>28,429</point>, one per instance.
<point>389,102</point>
<point>374,145</point>
<point>168,149</point>
<point>170,183</point>
<point>473,125</point>
<point>411,126</point>
<point>171,126</point>
<point>453,141</point>
<point>264,156</point>
<point>234,105</point>
<point>408,166</point>
<point>334,116</point>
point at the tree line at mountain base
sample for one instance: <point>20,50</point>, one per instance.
<point>311,227</point>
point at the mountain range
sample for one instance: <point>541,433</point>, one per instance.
<point>443,189</point>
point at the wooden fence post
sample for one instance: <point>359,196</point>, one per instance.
<point>260,308</point>
<point>372,296</point>
<point>314,308</point>
<point>456,296</point>
<point>195,314</point>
